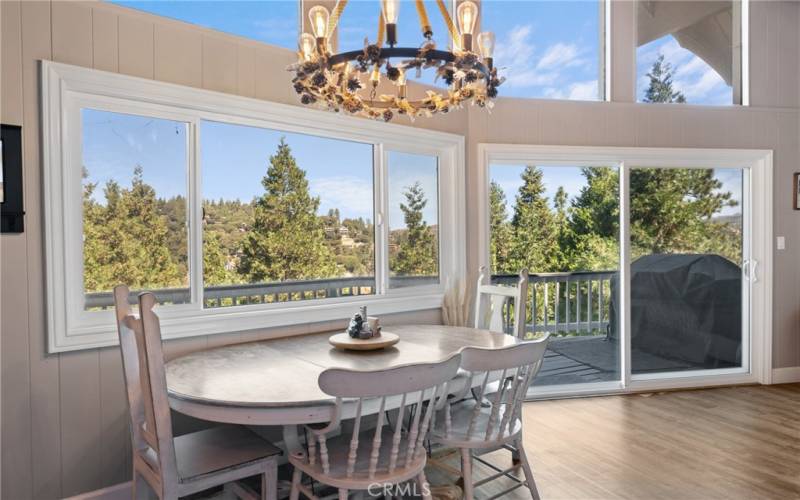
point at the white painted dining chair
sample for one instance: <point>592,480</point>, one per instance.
<point>493,303</point>
<point>471,426</point>
<point>175,467</point>
<point>387,455</point>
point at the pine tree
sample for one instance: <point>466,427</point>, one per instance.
<point>286,240</point>
<point>215,261</point>
<point>672,211</point>
<point>594,222</point>
<point>127,240</point>
<point>661,85</point>
<point>534,232</point>
<point>417,253</point>
<point>500,230</point>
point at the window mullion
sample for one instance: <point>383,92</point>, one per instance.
<point>195,213</point>
<point>381,244</point>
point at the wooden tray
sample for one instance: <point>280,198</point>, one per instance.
<point>344,341</point>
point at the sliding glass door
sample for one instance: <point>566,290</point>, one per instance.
<point>687,287</point>
<point>641,265</point>
<point>560,221</point>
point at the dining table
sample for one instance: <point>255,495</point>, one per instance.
<point>274,382</point>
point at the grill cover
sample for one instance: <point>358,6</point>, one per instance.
<point>686,308</point>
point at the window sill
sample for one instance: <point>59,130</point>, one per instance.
<point>182,322</point>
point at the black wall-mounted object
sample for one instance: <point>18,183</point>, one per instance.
<point>12,217</point>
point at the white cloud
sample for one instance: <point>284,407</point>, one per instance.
<point>524,67</point>
<point>707,87</point>
<point>579,91</point>
<point>560,55</point>
<point>352,195</point>
<point>584,91</point>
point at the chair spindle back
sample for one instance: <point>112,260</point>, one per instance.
<point>421,386</point>
<point>493,304</point>
<point>516,366</point>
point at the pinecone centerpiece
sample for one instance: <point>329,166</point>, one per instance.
<point>362,326</point>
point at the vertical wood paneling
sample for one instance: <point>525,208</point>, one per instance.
<point>787,50</point>
<point>79,373</point>
<point>11,56</point>
<point>787,223</point>
<point>16,452</point>
<point>271,83</point>
<point>219,64</point>
<point>114,420</point>
<point>760,70</point>
<point>178,55</point>
<point>136,46</point>
<point>81,446</point>
<point>114,416</point>
<point>105,40</point>
<point>72,33</point>
<point>16,404</point>
<point>44,370</point>
<point>246,78</point>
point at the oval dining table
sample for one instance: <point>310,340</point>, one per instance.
<point>274,382</point>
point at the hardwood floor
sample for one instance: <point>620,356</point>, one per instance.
<point>727,443</point>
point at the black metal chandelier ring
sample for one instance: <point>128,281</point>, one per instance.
<point>351,81</point>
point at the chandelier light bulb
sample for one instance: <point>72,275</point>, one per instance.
<point>467,14</point>
<point>307,45</point>
<point>375,77</point>
<point>391,9</point>
<point>486,42</point>
<point>318,15</point>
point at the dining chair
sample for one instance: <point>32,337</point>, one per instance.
<point>180,466</point>
<point>471,426</point>
<point>493,304</point>
<point>387,455</point>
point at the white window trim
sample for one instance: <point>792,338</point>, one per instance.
<point>758,368</point>
<point>66,88</point>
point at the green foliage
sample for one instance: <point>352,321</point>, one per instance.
<point>417,252</point>
<point>534,241</point>
<point>661,88</point>
<point>500,229</point>
<point>127,240</point>
<point>215,262</point>
<point>672,211</point>
<point>286,240</point>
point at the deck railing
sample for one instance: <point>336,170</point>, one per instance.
<point>260,293</point>
<point>566,304</point>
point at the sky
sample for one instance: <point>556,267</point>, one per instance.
<point>545,49</point>
<point>698,82</point>
<point>570,177</point>
<point>234,159</point>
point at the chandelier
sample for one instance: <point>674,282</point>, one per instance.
<point>350,81</point>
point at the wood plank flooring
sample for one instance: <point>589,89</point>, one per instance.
<point>726,443</point>
<point>729,443</point>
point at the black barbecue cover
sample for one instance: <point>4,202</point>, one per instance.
<point>684,307</point>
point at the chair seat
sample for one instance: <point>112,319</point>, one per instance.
<point>226,447</point>
<point>461,414</point>
<point>338,451</point>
